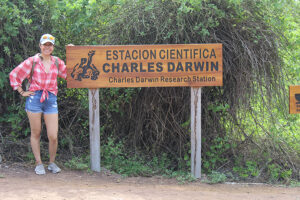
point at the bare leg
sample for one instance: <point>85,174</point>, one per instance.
<point>35,126</point>
<point>51,121</point>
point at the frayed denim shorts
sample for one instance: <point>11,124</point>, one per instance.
<point>49,106</point>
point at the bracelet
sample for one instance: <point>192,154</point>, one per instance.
<point>21,93</point>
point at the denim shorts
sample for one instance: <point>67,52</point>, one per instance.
<point>49,106</point>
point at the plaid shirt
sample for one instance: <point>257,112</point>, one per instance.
<point>40,79</point>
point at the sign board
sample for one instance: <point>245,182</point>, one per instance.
<point>192,65</point>
<point>295,99</point>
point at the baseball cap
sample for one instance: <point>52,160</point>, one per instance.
<point>47,38</point>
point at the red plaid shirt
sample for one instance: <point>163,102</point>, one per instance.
<point>40,79</point>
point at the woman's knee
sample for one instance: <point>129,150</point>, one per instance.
<point>52,137</point>
<point>36,133</point>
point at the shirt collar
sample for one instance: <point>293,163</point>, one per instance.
<point>37,58</point>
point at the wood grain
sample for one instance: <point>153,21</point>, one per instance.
<point>191,65</point>
<point>295,103</point>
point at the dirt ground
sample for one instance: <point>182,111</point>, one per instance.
<point>18,182</point>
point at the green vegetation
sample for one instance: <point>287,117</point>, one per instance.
<point>216,177</point>
<point>248,134</point>
<point>78,163</point>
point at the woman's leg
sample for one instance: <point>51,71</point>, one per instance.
<point>35,126</point>
<point>51,121</point>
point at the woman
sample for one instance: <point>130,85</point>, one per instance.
<point>41,97</point>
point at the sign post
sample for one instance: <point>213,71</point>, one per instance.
<point>180,65</point>
<point>94,123</point>
<point>196,131</point>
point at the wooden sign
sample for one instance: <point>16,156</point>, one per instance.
<point>295,99</point>
<point>193,65</point>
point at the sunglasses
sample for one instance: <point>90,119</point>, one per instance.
<point>48,37</point>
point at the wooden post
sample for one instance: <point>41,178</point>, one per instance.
<point>94,123</point>
<point>196,131</point>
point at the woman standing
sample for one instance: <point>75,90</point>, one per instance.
<point>42,71</point>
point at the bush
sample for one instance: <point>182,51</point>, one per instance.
<point>245,124</point>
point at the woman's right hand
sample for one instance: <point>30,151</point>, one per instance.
<point>27,93</point>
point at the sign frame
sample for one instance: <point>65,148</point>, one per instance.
<point>83,73</point>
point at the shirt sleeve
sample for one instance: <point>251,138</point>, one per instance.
<point>18,74</point>
<point>62,72</point>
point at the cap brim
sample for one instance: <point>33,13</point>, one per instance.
<point>47,40</point>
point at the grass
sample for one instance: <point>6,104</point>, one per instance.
<point>295,183</point>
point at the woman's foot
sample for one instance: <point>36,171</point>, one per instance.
<point>40,170</point>
<point>53,168</point>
